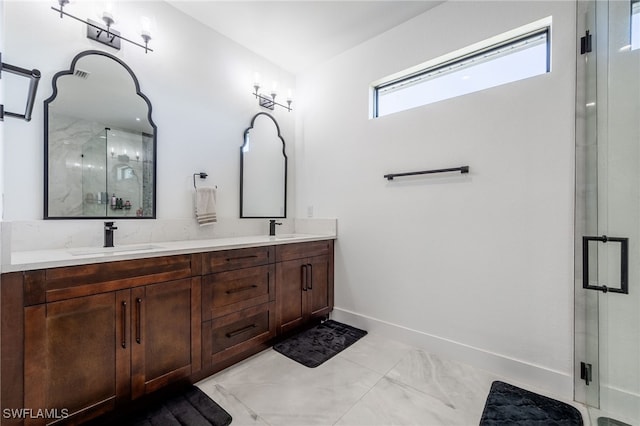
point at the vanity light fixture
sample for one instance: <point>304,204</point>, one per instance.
<point>270,102</point>
<point>107,36</point>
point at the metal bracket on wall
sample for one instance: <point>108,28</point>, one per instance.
<point>103,35</point>
<point>34,77</point>
<point>586,43</point>
<point>585,372</point>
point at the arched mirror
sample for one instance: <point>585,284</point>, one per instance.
<point>100,142</point>
<point>263,170</point>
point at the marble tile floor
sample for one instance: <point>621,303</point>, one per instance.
<point>377,381</point>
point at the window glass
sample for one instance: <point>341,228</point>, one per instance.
<point>515,59</point>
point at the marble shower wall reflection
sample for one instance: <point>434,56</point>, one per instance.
<point>90,163</point>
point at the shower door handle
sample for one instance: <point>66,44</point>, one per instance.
<point>624,264</point>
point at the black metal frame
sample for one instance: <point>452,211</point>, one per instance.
<point>284,154</point>
<point>54,81</point>
<point>461,169</point>
<point>624,264</point>
<point>34,78</point>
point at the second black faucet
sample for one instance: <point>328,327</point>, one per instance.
<point>108,233</point>
<point>272,227</point>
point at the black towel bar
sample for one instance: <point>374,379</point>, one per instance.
<point>462,169</point>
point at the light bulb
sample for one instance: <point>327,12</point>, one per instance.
<point>145,32</point>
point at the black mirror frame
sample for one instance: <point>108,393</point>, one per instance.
<point>284,154</point>
<point>47,101</point>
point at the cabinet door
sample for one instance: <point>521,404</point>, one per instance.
<point>161,333</point>
<point>291,294</point>
<point>319,286</point>
<point>77,354</point>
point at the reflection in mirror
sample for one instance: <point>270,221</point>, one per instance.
<point>263,170</point>
<point>100,142</point>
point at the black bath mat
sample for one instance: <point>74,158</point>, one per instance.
<point>320,343</point>
<point>191,407</point>
<point>511,405</point>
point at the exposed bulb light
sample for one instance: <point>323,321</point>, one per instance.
<point>145,33</point>
<point>110,37</point>
<point>108,19</point>
<point>269,102</point>
<point>62,4</point>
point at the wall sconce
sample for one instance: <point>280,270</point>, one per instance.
<point>107,36</point>
<point>269,102</point>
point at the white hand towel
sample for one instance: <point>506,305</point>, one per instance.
<point>206,206</point>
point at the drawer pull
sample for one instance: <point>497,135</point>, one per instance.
<point>231,259</point>
<point>124,324</point>
<point>238,290</point>
<point>240,331</point>
<point>310,276</point>
<point>303,278</point>
<point>138,320</point>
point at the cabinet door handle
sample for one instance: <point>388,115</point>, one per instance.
<point>138,325</point>
<point>238,290</point>
<point>124,324</point>
<point>240,331</point>
<point>303,278</point>
<point>310,280</point>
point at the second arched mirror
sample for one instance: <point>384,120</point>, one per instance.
<point>263,170</point>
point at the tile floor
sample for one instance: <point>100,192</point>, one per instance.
<point>377,381</point>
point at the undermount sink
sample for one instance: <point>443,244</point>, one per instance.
<point>287,236</point>
<point>112,250</point>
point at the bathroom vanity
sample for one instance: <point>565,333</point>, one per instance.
<point>86,334</point>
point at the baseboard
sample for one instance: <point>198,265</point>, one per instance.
<point>533,377</point>
<point>624,403</point>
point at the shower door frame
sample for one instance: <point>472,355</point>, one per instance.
<point>606,153</point>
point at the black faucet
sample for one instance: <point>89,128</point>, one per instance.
<point>108,234</point>
<point>272,226</point>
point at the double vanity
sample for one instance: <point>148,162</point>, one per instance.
<point>86,331</point>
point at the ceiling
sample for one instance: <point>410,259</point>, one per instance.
<point>299,34</point>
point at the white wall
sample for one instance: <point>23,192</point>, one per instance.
<point>198,81</point>
<point>479,266</point>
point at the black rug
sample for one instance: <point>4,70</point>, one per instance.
<point>191,407</point>
<point>320,343</point>
<point>511,405</point>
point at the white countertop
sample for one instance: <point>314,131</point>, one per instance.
<point>41,259</point>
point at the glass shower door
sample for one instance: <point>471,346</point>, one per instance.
<point>608,211</point>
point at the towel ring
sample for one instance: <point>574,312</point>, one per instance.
<point>202,175</point>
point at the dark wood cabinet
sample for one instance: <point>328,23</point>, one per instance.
<point>86,354</point>
<point>81,341</point>
<point>238,304</point>
<point>161,335</point>
<point>305,283</point>
<point>77,355</point>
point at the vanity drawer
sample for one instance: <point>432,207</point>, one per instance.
<point>235,333</point>
<point>77,281</point>
<point>227,292</point>
<point>228,260</point>
<point>301,250</point>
